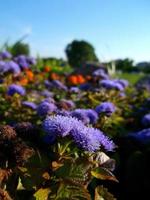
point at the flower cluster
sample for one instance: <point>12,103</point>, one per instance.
<point>13,89</point>
<point>45,108</point>
<point>106,108</point>
<point>86,138</point>
<point>85,115</point>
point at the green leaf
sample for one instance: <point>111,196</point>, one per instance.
<point>102,193</point>
<point>103,174</point>
<point>42,194</point>
<point>32,173</point>
<point>70,191</point>
<point>73,178</point>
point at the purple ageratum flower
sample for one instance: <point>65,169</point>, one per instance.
<point>106,107</point>
<point>111,84</point>
<point>92,115</point>
<point>80,114</point>
<point>146,120</point>
<point>31,60</point>
<point>48,84</point>
<point>3,67</point>
<point>142,136</point>
<point>100,73</point>
<point>85,115</point>
<point>86,138</point>
<point>91,139</point>
<point>13,89</point>
<point>59,85</point>
<point>60,125</point>
<point>22,61</point>
<point>105,141</point>
<point>74,90</point>
<point>45,108</point>
<point>49,100</point>
<point>63,113</point>
<point>5,55</point>
<point>47,93</point>
<point>122,82</point>
<point>13,67</point>
<point>29,104</point>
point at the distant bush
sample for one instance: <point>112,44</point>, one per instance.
<point>79,52</point>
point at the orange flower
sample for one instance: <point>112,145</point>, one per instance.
<point>23,81</point>
<point>47,69</point>
<point>30,75</point>
<point>54,76</point>
<point>73,79</point>
<point>80,79</point>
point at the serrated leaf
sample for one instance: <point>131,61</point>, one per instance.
<point>103,174</point>
<point>102,193</point>
<point>42,194</point>
<point>69,191</point>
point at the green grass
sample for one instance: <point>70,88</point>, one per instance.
<point>133,78</point>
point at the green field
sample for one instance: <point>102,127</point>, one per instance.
<point>133,78</point>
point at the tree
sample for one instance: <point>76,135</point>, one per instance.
<point>125,65</point>
<point>20,48</point>
<point>79,52</point>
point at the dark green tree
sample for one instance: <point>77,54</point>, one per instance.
<point>20,48</point>
<point>125,65</point>
<point>79,52</point>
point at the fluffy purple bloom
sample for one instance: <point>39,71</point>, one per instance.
<point>106,108</point>
<point>91,139</point>
<point>3,67</point>
<point>122,82</point>
<point>29,104</point>
<point>86,138</point>
<point>146,120</point>
<point>111,84</point>
<point>47,83</point>
<point>45,108</point>
<point>59,85</point>
<point>74,90</point>
<point>13,89</point>
<point>85,115</point>
<point>60,125</point>
<point>142,136</point>
<point>92,115</point>
<point>13,67</point>
<point>22,61</point>
<point>5,55</point>
<point>100,73</point>
<point>63,112</point>
<point>49,100</point>
<point>31,60</point>
<point>80,114</point>
<point>47,93</point>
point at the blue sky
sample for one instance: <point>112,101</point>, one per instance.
<point>116,28</point>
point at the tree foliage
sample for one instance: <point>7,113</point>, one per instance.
<point>79,52</point>
<point>20,48</point>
